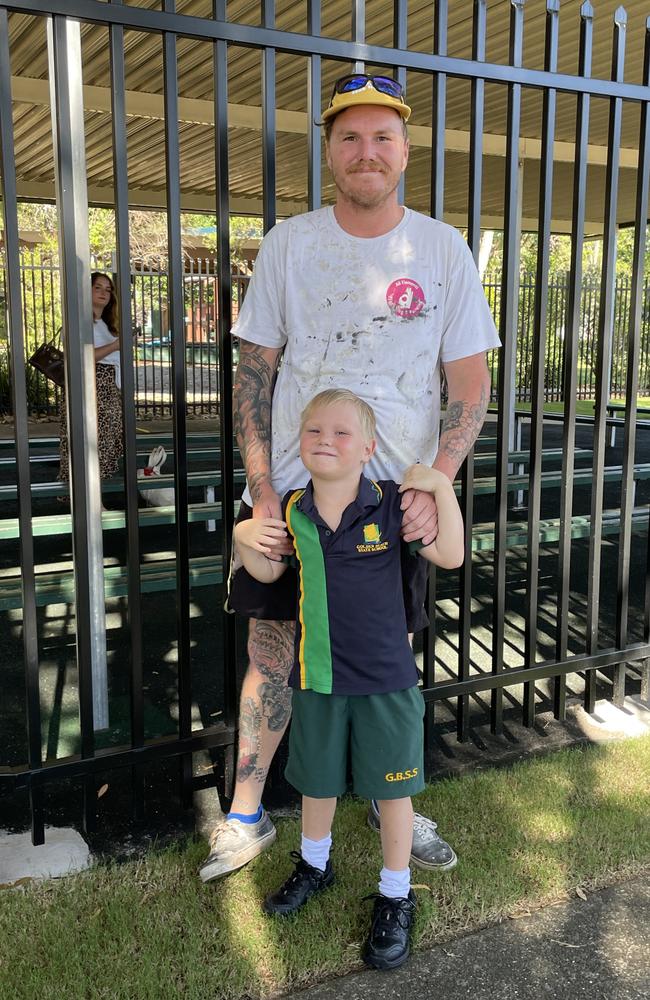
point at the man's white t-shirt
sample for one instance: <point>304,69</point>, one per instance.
<point>376,316</point>
<point>102,336</point>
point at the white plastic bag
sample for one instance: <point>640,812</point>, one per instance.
<point>163,497</point>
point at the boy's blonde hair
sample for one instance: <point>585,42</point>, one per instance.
<point>330,397</point>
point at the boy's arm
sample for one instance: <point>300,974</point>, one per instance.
<point>256,538</point>
<point>448,549</point>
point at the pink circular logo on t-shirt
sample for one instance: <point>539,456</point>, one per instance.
<point>405,298</point>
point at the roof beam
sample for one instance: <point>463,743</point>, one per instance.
<point>155,199</point>
<point>190,202</point>
<point>199,112</point>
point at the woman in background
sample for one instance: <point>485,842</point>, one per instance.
<point>108,381</point>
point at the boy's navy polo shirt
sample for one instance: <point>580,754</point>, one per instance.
<point>351,635</point>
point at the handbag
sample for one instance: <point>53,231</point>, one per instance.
<point>48,360</point>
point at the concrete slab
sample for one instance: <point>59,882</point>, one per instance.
<point>591,949</point>
<point>63,853</point>
<point>608,722</point>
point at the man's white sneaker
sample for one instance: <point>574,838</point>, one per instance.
<point>233,844</point>
<point>428,850</point>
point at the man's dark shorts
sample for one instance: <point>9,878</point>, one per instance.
<point>276,602</point>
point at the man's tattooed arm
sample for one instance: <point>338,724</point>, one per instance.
<point>252,392</point>
<point>468,386</point>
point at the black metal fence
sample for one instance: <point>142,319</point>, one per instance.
<point>149,327</point>
<point>152,338</point>
<point>558,288</point>
<point>528,611</point>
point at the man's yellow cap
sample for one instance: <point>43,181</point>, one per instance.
<point>367,94</point>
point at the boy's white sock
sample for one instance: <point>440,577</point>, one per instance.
<point>316,852</point>
<point>395,885</point>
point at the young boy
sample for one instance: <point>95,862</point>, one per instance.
<point>354,675</point>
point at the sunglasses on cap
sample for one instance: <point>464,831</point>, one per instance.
<point>357,81</point>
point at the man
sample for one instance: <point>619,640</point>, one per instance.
<point>371,297</point>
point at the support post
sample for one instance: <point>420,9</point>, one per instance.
<point>66,83</point>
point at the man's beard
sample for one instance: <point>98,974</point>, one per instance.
<point>363,199</point>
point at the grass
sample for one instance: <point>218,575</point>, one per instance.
<point>526,836</point>
<point>587,407</point>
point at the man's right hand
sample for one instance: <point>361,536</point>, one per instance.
<point>266,504</point>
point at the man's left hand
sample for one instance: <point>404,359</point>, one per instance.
<point>420,521</point>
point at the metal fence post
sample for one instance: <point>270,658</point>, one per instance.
<point>65,74</point>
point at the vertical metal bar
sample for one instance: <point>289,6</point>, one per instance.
<point>123,271</point>
<point>508,332</point>
<point>437,188</point>
<point>177,325</point>
<point>21,434</point>
<point>268,122</point>
<point>479,30</point>
<point>224,324</point>
<point>439,111</point>
<point>202,351</point>
<point>314,87</point>
<point>358,29</point>
<point>400,41</point>
<point>604,356</point>
<point>65,75</point>
<point>539,355</point>
<point>632,378</point>
<point>429,657</point>
<point>575,309</point>
<point>189,286</point>
<point>162,364</point>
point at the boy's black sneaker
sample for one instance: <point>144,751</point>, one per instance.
<point>389,941</point>
<point>305,882</point>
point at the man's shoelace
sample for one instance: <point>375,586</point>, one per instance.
<point>422,825</point>
<point>224,833</point>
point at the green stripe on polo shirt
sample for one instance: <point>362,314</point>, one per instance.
<point>315,654</point>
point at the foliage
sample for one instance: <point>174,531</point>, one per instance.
<point>147,232</point>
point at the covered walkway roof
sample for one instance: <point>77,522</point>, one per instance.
<point>145,105</point>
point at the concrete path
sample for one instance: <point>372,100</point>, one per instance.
<point>593,949</point>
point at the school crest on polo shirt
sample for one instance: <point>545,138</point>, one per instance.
<point>372,539</point>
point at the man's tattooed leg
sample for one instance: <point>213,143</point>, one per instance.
<point>265,708</point>
<point>250,725</point>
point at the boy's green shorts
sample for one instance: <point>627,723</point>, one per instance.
<point>385,735</point>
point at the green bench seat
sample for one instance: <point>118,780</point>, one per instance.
<point>613,408</point>
<point>209,453</point>
<point>581,477</point>
<point>57,586</point>
<point>482,486</point>
<point>151,440</point>
<point>61,524</point>
<point>549,530</point>
<point>116,485</point>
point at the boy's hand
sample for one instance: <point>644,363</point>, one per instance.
<point>423,477</point>
<point>420,521</point>
<point>267,505</point>
<point>263,534</point>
